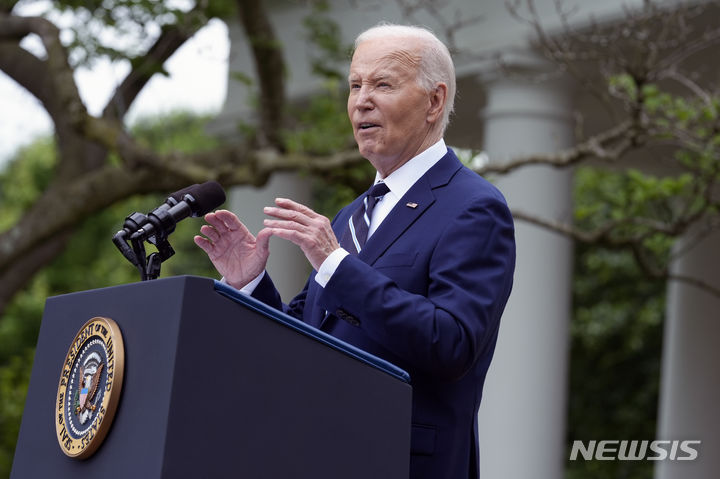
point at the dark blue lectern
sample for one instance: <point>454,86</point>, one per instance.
<point>217,384</point>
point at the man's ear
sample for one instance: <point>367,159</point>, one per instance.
<point>438,98</point>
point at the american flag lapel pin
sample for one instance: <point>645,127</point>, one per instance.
<point>411,205</point>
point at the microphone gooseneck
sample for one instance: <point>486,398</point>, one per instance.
<point>195,200</point>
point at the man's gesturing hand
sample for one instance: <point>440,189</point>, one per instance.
<point>304,227</point>
<point>236,254</point>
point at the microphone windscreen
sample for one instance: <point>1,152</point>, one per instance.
<point>208,196</point>
<point>179,194</point>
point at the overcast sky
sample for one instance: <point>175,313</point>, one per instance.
<point>197,81</point>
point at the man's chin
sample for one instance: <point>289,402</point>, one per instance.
<point>364,152</point>
<point>368,149</point>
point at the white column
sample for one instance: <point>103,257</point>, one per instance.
<point>690,382</point>
<point>523,412</point>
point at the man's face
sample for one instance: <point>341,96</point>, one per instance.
<point>391,114</point>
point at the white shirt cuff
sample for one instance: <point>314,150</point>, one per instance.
<point>250,287</point>
<point>328,267</point>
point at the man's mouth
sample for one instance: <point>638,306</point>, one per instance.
<point>366,126</point>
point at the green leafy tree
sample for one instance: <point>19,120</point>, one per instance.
<point>88,261</point>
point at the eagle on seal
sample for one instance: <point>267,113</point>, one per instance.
<point>89,389</point>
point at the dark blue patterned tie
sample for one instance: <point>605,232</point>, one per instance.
<point>356,233</point>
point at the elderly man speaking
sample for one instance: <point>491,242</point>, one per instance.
<point>417,270</point>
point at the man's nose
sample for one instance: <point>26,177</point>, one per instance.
<point>364,98</point>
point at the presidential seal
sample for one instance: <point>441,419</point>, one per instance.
<point>89,389</point>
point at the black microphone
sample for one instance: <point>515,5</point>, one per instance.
<point>195,200</point>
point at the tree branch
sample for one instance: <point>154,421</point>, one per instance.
<point>171,38</point>
<point>698,283</point>
<point>97,189</point>
<point>51,80</point>
<point>602,237</point>
<point>27,70</point>
<point>609,146</point>
<point>270,68</point>
<point>6,6</point>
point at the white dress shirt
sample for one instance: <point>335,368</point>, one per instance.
<point>399,182</point>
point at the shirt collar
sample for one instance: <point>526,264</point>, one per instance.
<point>402,179</point>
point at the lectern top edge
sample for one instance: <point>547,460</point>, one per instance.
<point>306,329</point>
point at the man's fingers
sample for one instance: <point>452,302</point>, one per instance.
<point>294,205</point>
<point>262,240</point>
<point>285,224</point>
<point>214,222</point>
<point>211,232</point>
<point>208,246</point>
<point>203,243</point>
<point>287,215</point>
<point>221,223</point>
<point>293,235</point>
<point>291,210</point>
<point>224,221</point>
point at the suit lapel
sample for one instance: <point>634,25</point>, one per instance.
<point>398,220</point>
<point>410,207</point>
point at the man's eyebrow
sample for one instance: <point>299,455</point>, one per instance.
<point>373,78</point>
<point>380,77</point>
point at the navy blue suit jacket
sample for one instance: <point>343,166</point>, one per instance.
<point>425,293</point>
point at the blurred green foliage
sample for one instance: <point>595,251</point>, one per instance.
<point>330,53</point>
<point>616,345</point>
<point>24,179</point>
<point>618,312</point>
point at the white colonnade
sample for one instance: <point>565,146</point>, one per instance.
<point>523,413</point>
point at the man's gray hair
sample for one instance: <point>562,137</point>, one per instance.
<point>436,65</point>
